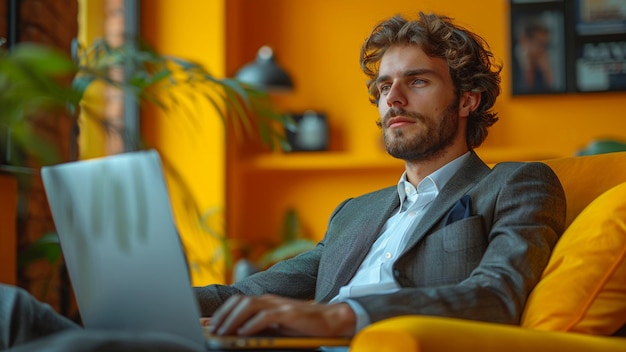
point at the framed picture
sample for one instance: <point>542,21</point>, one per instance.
<point>538,50</point>
<point>600,17</point>
<point>600,45</point>
<point>600,65</point>
<point>568,46</point>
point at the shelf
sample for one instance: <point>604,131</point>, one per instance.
<point>491,155</point>
<point>322,161</point>
<point>338,161</point>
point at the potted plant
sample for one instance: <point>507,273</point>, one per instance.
<point>39,82</point>
<point>292,241</point>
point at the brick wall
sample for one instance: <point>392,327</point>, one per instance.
<point>53,23</point>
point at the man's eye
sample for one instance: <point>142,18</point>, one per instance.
<point>418,82</point>
<point>384,88</point>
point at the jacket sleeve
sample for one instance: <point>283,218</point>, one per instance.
<point>295,278</point>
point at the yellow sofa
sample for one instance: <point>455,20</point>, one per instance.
<point>581,298</point>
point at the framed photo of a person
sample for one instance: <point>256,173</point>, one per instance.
<point>538,49</point>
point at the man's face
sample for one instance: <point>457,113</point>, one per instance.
<point>538,44</point>
<point>418,106</point>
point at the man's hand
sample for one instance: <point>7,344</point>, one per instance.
<point>245,315</point>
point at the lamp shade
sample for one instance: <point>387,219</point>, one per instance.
<point>265,73</point>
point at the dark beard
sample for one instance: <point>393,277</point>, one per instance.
<point>429,146</point>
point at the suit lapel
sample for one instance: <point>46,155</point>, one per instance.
<point>472,171</point>
<point>360,239</point>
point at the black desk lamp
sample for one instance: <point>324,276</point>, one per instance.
<point>265,73</point>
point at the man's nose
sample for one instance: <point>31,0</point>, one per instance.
<point>396,96</point>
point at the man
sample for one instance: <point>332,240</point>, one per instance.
<point>453,238</point>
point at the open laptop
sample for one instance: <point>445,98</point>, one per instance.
<point>124,256</point>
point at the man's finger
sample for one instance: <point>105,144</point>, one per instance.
<point>238,314</point>
<point>223,312</point>
<point>269,319</point>
<point>205,321</point>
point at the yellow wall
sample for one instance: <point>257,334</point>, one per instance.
<point>193,30</point>
<point>191,142</point>
<point>91,138</point>
<point>318,42</point>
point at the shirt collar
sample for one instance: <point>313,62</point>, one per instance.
<point>433,182</point>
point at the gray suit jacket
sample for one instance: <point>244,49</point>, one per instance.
<point>481,266</point>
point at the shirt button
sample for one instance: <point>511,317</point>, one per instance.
<point>412,213</point>
<point>388,255</point>
<point>407,190</point>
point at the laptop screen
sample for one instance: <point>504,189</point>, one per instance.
<point>120,244</point>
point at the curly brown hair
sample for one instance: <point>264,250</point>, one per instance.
<point>468,56</point>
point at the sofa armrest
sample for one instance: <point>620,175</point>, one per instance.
<point>423,334</point>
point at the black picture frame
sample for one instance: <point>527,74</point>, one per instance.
<point>538,47</point>
<point>600,45</point>
<point>567,46</point>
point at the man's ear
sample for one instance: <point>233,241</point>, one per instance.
<point>468,102</point>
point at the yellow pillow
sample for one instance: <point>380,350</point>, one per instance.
<point>583,288</point>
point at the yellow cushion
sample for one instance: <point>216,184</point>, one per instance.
<point>581,179</point>
<point>583,288</point>
<point>422,333</point>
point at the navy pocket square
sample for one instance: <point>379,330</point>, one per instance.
<point>462,209</point>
